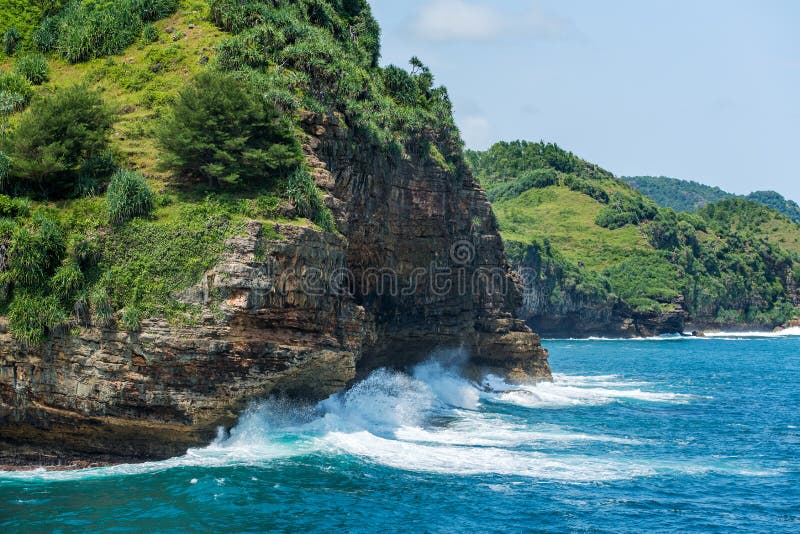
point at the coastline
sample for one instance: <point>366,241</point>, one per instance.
<point>744,332</point>
<point>22,461</point>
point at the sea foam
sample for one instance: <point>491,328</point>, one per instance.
<point>786,332</point>
<point>429,420</point>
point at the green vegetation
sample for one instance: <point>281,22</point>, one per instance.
<point>33,251</point>
<point>205,101</point>
<point>19,19</point>
<point>16,87</point>
<point>303,193</point>
<point>777,202</point>
<point>128,196</point>
<point>11,40</point>
<point>623,210</point>
<point>5,165</point>
<point>150,33</point>
<point>13,207</point>
<point>323,57</point>
<point>221,130</point>
<point>56,139</point>
<point>95,28</point>
<point>682,195</point>
<point>590,236</point>
<point>33,67</point>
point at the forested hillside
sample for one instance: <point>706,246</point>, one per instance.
<point>683,195</point>
<point>137,135</point>
<point>593,240</point>
<point>777,202</point>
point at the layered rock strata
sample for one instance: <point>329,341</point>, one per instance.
<point>416,266</point>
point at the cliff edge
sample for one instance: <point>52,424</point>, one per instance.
<point>417,265</point>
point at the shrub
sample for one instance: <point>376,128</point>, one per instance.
<point>697,222</point>
<point>644,305</point>
<point>645,276</point>
<point>276,87</point>
<point>9,104</point>
<point>11,39</point>
<point>32,315</point>
<point>129,196</point>
<point>219,130</point>
<point>33,67</point>
<point>662,232</point>
<point>400,85</point>
<point>57,136</point>
<point>132,318</point>
<point>12,83</point>
<point>66,282</point>
<point>235,16</point>
<point>150,33</point>
<point>586,187</point>
<point>93,173</point>
<point>99,165</point>
<point>13,207</point>
<point>86,32</point>
<point>34,252</point>
<point>95,28</point>
<point>623,210</point>
<point>152,10</point>
<point>45,38</point>
<point>540,178</point>
<point>250,48</point>
<point>307,199</point>
<point>84,251</point>
<point>27,262</point>
<point>101,307</point>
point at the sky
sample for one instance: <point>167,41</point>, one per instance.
<point>705,90</point>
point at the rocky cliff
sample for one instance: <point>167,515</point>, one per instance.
<point>558,304</point>
<point>614,320</point>
<point>417,265</point>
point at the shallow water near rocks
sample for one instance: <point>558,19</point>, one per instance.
<point>666,434</point>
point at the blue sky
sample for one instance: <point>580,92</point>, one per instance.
<point>704,90</point>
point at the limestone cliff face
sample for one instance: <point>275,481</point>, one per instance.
<point>556,309</point>
<point>580,319</point>
<point>418,266</point>
<point>433,229</point>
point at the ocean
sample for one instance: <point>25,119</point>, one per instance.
<point>666,434</point>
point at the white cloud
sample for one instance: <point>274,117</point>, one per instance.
<point>464,20</point>
<point>458,20</point>
<point>476,132</point>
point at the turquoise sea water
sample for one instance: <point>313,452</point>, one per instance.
<point>646,435</point>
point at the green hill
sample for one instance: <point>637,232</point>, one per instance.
<point>138,135</point>
<point>593,239</point>
<point>680,195</point>
<point>777,202</point>
<point>683,195</point>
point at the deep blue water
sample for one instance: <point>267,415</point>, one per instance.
<point>666,435</point>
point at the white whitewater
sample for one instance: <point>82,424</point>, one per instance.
<point>431,421</point>
<point>786,332</point>
<point>726,335</point>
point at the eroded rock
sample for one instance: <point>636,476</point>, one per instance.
<point>300,315</point>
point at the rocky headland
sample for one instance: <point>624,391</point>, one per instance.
<point>292,311</point>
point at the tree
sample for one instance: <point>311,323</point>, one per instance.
<point>220,130</point>
<point>57,136</point>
